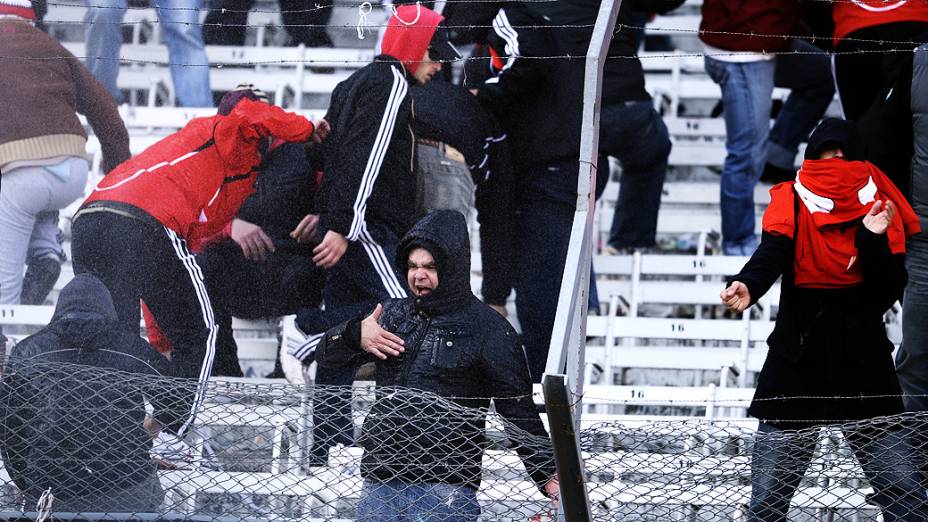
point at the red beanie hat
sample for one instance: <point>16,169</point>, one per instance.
<point>409,33</point>
<point>20,8</point>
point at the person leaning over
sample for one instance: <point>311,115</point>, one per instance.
<point>837,235</point>
<point>443,341</point>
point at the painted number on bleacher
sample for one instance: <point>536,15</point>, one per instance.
<point>699,263</point>
<point>677,327</point>
<point>7,312</point>
<point>637,394</point>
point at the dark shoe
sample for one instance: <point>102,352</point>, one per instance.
<point>41,276</point>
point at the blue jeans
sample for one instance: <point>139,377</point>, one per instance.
<point>183,35</point>
<point>398,501</point>
<point>635,134</point>
<point>780,460</point>
<point>746,90</point>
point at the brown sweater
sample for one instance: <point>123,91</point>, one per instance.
<point>43,86</point>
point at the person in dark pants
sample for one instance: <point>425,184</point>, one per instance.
<point>305,22</point>
<point>422,458</point>
<point>447,116</point>
<point>132,231</point>
<point>367,200</point>
<point>68,423</point>
<point>838,237</point>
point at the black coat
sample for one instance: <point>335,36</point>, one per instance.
<point>369,154</point>
<point>456,347</point>
<point>827,343</point>
<point>71,415</point>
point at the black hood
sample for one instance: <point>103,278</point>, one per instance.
<point>84,311</point>
<point>835,131</point>
<point>444,234</point>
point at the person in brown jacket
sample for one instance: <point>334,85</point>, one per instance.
<point>43,164</point>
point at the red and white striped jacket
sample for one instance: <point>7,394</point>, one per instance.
<point>194,181</point>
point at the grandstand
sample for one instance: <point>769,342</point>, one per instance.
<point>668,373</point>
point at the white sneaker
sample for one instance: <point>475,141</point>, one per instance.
<point>170,451</point>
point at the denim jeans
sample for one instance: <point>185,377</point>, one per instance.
<point>28,194</point>
<point>746,93</point>
<point>398,501</point>
<point>635,134</point>
<point>780,459</point>
<point>746,90</point>
<point>183,35</point>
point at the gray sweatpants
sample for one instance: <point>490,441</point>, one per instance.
<point>27,193</point>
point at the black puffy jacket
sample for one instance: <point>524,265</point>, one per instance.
<point>461,353</point>
<point>72,401</point>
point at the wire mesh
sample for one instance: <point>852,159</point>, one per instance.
<point>87,440</point>
<point>738,469</point>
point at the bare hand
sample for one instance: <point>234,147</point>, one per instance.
<point>304,232</point>
<point>251,238</point>
<point>331,250</point>
<point>377,341</point>
<point>553,490</point>
<point>321,130</point>
<point>475,92</point>
<point>736,297</point>
<point>878,219</point>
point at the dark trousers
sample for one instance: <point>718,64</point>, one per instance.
<point>635,134</point>
<point>780,459</point>
<point>363,277</point>
<point>305,22</point>
<point>137,260</point>
<point>547,200</point>
<point>285,282</point>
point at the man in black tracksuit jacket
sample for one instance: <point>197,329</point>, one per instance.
<point>454,347</point>
<point>72,406</point>
<point>524,93</point>
<point>367,200</point>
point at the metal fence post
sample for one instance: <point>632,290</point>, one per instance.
<point>575,503</point>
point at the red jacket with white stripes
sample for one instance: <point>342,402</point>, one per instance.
<point>853,15</point>
<point>195,180</point>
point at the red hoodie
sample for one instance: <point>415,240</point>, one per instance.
<point>409,33</point>
<point>195,180</point>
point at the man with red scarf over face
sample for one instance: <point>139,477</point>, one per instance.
<point>837,236</point>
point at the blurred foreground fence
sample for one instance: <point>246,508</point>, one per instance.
<point>77,439</point>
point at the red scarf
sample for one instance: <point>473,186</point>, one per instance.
<point>833,196</point>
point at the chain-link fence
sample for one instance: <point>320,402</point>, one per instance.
<point>739,469</point>
<point>79,439</point>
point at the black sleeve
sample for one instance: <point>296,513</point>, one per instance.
<point>507,375</point>
<point>495,203</point>
<point>284,189</point>
<point>884,273</point>
<point>340,347</point>
<point>520,47</point>
<point>657,6</point>
<point>772,258</point>
<point>363,134</point>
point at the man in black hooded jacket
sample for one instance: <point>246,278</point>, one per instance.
<point>445,342</point>
<point>68,423</point>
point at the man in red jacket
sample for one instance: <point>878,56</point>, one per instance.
<point>133,230</point>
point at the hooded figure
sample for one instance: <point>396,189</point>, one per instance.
<point>68,422</point>
<point>837,236</point>
<point>455,347</point>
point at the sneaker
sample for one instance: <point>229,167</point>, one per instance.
<point>169,451</point>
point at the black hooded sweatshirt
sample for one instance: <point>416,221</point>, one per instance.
<point>70,420</point>
<point>460,352</point>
